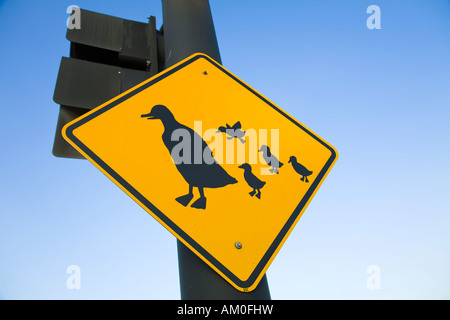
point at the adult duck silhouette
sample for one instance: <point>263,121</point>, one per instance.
<point>195,170</point>
<point>300,169</point>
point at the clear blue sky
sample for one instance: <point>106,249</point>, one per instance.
<point>381,97</point>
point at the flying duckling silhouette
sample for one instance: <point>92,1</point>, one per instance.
<point>199,173</point>
<point>270,159</point>
<point>233,132</point>
<point>252,180</point>
<point>301,170</point>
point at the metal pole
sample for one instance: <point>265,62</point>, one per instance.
<point>188,29</point>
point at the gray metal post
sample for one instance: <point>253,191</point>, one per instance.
<point>188,29</point>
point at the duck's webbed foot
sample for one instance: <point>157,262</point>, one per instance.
<point>200,203</point>
<point>184,200</point>
<point>252,193</point>
<point>258,195</point>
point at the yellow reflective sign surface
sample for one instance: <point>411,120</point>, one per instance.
<point>216,163</point>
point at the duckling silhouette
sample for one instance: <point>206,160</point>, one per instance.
<point>301,170</point>
<point>233,132</point>
<point>270,159</point>
<point>196,172</point>
<point>252,180</point>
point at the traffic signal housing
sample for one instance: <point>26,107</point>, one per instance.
<point>108,56</point>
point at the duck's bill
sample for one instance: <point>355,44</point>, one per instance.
<point>148,116</point>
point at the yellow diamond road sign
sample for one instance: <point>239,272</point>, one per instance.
<point>216,163</point>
